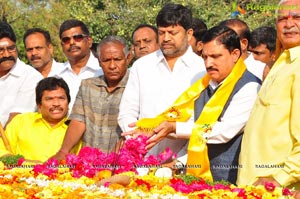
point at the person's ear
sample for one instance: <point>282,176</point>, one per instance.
<point>273,56</point>
<point>130,55</point>
<point>50,46</point>
<point>236,53</point>
<point>244,44</point>
<point>39,107</point>
<point>90,41</point>
<point>199,46</point>
<point>189,34</point>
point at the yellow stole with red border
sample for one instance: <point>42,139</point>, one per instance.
<point>183,108</point>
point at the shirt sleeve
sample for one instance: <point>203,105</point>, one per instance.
<point>25,99</point>
<point>77,111</point>
<point>235,116</point>
<point>11,134</point>
<point>290,174</point>
<point>184,129</point>
<point>130,102</point>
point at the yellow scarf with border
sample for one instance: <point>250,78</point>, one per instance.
<point>183,108</point>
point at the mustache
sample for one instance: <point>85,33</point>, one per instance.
<point>56,108</point>
<point>291,30</point>
<point>73,47</point>
<point>10,58</point>
<point>210,68</point>
<point>167,43</point>
<point>34,58</point>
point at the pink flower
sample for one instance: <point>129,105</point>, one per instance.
<point>165,155</point>
<point>269,186</point>
<point>286,192</point>
<point>49,168</point>
<point>20,161</point>
<point>91,160</point>
<point>221,186</point>
<point>241,192</point>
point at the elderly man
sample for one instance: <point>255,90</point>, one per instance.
<point>17,80</point>
<point>38,135</point>
<point>96,108</point>
<point>39,51</point>
<point>76,42</point>
<point>270,149</point>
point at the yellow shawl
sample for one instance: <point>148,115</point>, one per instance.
<point>182,109</point>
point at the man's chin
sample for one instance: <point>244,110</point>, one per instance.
<point>7,65</point>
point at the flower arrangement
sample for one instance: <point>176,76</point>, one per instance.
<point>84,176</point>
<point>89,161</point>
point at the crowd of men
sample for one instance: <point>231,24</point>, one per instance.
<point>224,98</point>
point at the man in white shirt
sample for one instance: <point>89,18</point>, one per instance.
<point>39,51</point>
<point>82,64</point>
<point>17,80</point>
<point>157,79</point>
<point>241,28</point>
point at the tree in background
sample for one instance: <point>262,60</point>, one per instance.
<point>119,17</point>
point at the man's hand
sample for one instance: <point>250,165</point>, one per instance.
<point>263,180</point>
<point>133,133</point>
<point>136,132</point>
<point>296,194</point>
<point>160,132</point>
<point>60,155</point>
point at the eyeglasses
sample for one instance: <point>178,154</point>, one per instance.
<point>77,38</point>
<point>9,49</point>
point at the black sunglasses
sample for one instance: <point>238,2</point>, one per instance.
<point>77,38</point>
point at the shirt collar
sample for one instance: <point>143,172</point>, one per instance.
<point>293,53</point>
<point>17,69</point>
<point>92,63</point>
<point>186,57</point>
<point>101,81</point>
<point>39,118</point>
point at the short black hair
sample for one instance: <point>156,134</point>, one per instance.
<point>71,23</point>
<point>263,35</point>
<point>224,35</point>
<point>199,28</point>
<point>31,31</point>
<point>145,26</point>
<point>7,31</point>
<point>50,84</point>
<point>174,14</point>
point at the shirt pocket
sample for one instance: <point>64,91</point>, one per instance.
<point>276,91</point>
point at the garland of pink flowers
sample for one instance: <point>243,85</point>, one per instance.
<point>89,161</point>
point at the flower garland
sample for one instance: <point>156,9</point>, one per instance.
<point>89,161</point>
<point>79,177</point>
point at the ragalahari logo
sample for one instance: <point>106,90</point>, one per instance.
<point>237,10</point>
